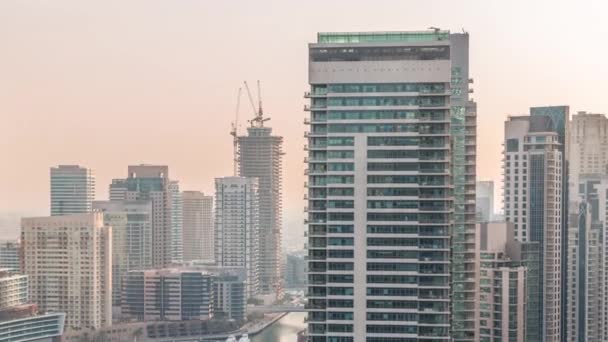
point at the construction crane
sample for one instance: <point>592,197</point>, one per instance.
<point>234,133</point>
<point>258,114</point>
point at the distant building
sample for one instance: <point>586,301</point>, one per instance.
<point>197,232</point>
<point>151,182</point>
<point>535,201</point>
<point>13,289</point>
<point>295,270</point>
<point>172,294</point>
<point>72,190</point>
<point>230,294</point>
<point>131,223</point>
<point>484,201</point>
<point>502,284</point>
<point>260,156</point>
<point>230,290</point>
<point>9,255</point>
<point>68,260</point>
<point>23,324</point>
<point>177,249</point>
<point>588,147</point>
<point>587,270</point>
<point>236,227</point>
<point>19,320</point>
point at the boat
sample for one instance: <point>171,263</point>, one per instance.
<point>231,338</point>
<point>244,338</point>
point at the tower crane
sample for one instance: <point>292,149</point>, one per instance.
<point>258,118</point>
<point>234,133</point>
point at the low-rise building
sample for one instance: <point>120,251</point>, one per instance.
<point>13,289</point>
<point>171,294</point>
<point>9,255</point>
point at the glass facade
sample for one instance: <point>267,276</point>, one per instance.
<point>381,205</point>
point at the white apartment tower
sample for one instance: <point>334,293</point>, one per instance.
<point>152,183</point>
<point>588,146</point>
<point>391,188</point>
<point>72,190</point>
<point>260,156</point>
<point>534,195</point>
<point>131,223</point>
<point>68,260</point>
<point>198,229</point>
<point>237,227</point>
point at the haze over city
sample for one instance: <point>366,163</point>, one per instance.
<point>113,83</point>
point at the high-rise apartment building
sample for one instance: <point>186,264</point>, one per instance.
<point>131,223</point>
<point>171,294</point>
<point>176,223</point>
<point>484,201</point>
<point>152,183</point>
<point>260,156</point>
<point>72,190</point>
<point>68,260</point>
<point>9,255</point>
<point>237,227</point>
<point>197,232</point>
<point>535,189</point>
<point>588,147</point>
<point>391,188</point>
<point>587,272</point>
<point>502,284</point>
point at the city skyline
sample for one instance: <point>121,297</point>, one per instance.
<point>193,92</point>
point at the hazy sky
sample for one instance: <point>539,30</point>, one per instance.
<point>106,84</point>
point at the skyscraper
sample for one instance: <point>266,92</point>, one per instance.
<point>176,223</point>
<point>72,190</point>
<point>485,201</point>
<point>131,223</point>
<point>587,272</point>
<point>534,195</point>
<point>151,182</point>
<point>260,156</point>
<point>198,229</point>
<point>68,261</point>
<point>237,227</point>
<point>385,186</point>
<point>588,146</point>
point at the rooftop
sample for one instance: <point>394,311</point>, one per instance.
<point>392,36</point>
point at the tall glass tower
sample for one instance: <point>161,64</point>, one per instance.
<point>391,188</point>
<point>72,190</point>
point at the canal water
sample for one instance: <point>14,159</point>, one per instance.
<point>284,330</point>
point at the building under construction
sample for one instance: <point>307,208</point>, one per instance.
<point>260,155</point>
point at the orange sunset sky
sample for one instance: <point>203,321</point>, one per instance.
<point>106,84</point>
